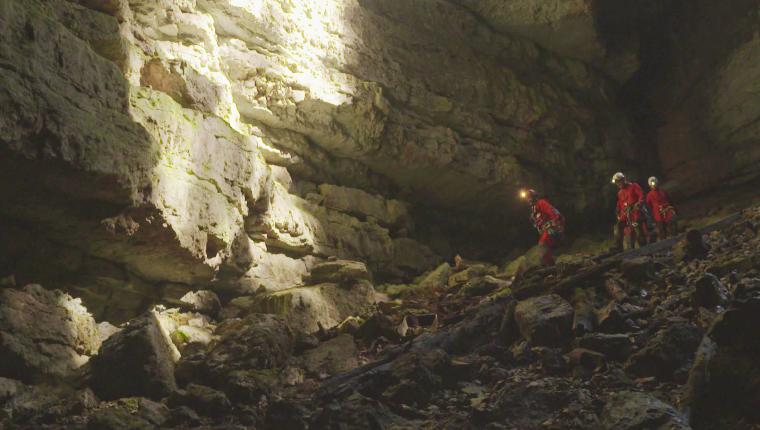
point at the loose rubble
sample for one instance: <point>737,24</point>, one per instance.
<point>649,343</point>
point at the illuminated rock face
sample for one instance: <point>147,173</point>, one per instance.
<point>237,143</point>
<point>567,27</point>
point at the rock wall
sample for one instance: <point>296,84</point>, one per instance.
<point>152,145</point>
<point>704,94</point>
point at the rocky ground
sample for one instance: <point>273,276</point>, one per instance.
<point>666,341</point>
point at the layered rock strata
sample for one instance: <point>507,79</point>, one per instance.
<point>238,143</point>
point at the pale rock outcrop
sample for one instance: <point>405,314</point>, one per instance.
<point>392,213</point>
<point>44,334</point>
<point>339,271</point>
<point>350,81</point>
<point>135,118</point>
<point>187,330</point>
<point>273,271</point>
<point>325,305</point>
<point>299,226</point>
<point>144,133</point>
<point>203,301</point>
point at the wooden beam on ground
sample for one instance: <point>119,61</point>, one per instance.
<point>666,244</point>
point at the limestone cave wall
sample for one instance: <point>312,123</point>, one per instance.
<point>150,146</point>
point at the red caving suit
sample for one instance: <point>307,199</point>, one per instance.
<point>550,225</point>
<point>663,212</point>
<point>627,196</point>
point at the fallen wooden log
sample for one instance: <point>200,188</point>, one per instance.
<point>663,245</point>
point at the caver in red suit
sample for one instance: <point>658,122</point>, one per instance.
<point>549,223</point>
<point>631,225</point>
<point>663,212</point>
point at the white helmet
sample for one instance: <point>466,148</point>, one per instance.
<point>618,177</point>
<point>653,182</point>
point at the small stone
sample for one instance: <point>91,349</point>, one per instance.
<point>614,346</point>
<point>205,400</point>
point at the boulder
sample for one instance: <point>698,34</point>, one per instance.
<point>669,354</point>
<point>33,406</point>
<point>612,319</point>
<point>723,389</point>
<point>323,305</point>
<point>137,361</point>
<point>526,406</point>
<point>134,413</point>
<point>360,203</point>
<point>355,411</point>
<point>628,410</point>
<point>338,271</point>
<point>337,355</point>
<point>545,320</point>
<point>692,247</point>
<point>8,388</point>
<point>747,288</point>
<point>187,330</point>
<point>259,341</point>
<point>614,346</point>
<point>413,378</point>
<point>105,330</point>
<point>203,301</point>
<point>247,360</point>
<point>438,278</point>
<point>709,292</point>
<point>183,417</point>
<point>586,358</point>
<point>44,334</point>
<point>638,269</point>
